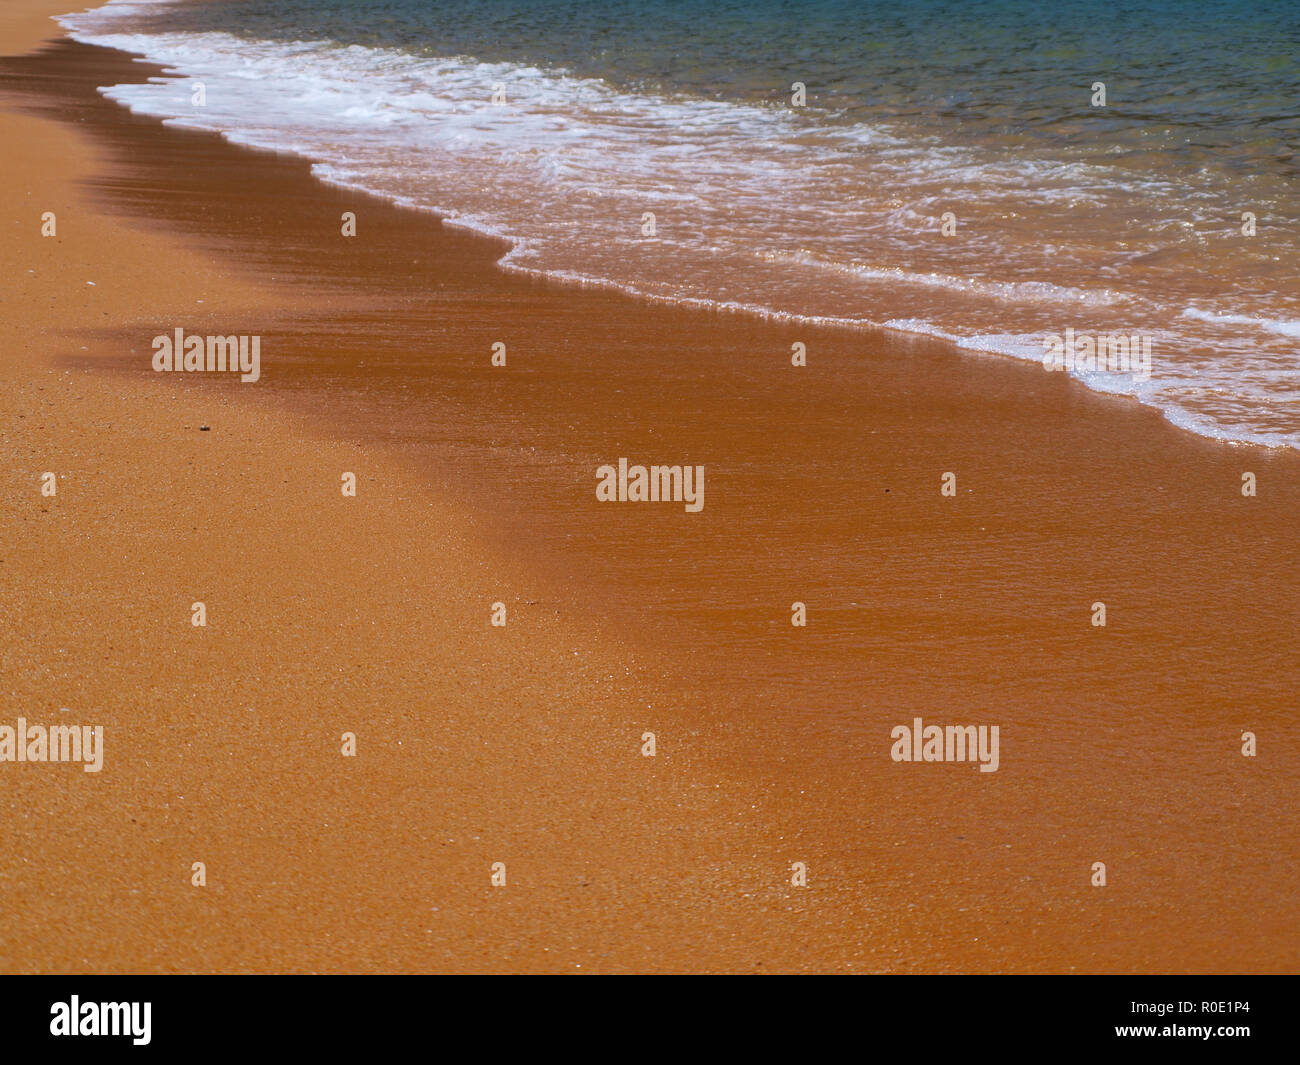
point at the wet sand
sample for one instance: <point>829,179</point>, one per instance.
<point>522,744</point>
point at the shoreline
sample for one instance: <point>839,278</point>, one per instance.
<point>1187,360</point>
<point>774,742</point>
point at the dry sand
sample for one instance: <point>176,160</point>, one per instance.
<point>522,744</point>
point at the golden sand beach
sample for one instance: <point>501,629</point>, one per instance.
<point>520,747</point>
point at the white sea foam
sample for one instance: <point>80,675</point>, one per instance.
<point>1272,325</point>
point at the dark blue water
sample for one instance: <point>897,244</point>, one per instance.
<point>1190,77</point>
